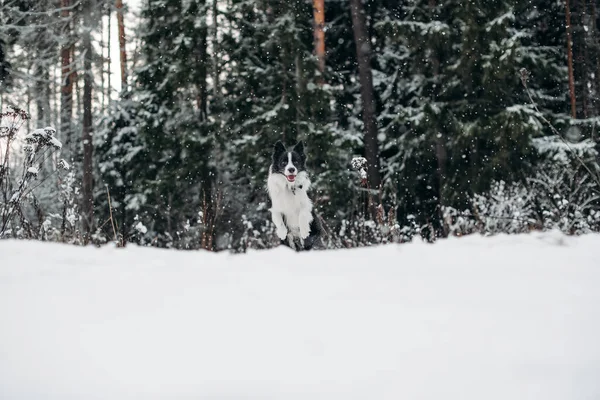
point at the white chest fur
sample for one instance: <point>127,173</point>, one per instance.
<point>291,208</point>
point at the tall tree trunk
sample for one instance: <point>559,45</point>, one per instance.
<point>66,90</point>
<point>41,67</point>
<point>87,181</point>
<point>216,58</point>
<point>596,37</point>
<point>570,60</point>
<point>3,69</point>
<point>582,61</point>
<point>109,60</point>
<point>40,93</point>
<point>201,64</point>
<point>76,81</point>
<point>102,60</point>
<point>363,55</point>
<point>441,152</point>
<point>122,51</point>
<point>28,108</point>
<point>319,32</point>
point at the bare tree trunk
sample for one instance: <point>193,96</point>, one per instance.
<point>54,118</point>
<point>363,54</point>
<point>596,37</point>
<point>202,63</point>
<point>75,79</point>
<point>66,90</point>
<point>42,99</point>
<point>47,96</point>
<point>87,181</point>
<point>201,67</point>
<point>40,95</point>
<point>109,61</point>
<point>3,68</point>
<point>216,59</point>
<point>319,32</point>
<point>28,108</point>
<point>570,61</point>
<point>41,68</point>
<point>583,60</point>
<point>441,152</point>
<point>208,236</point>
<point>441,155</point>
<point>122,52</point>
<point>102,61</point>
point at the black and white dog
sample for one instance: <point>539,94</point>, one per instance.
<point>291,208</point>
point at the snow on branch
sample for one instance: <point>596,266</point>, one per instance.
<point>44,137</point>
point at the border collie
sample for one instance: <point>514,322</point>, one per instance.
<point>291,208</point>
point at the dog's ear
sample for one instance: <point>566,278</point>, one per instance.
<point>278,149</point>
<point>299,148</point>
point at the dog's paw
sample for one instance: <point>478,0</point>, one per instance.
<point>282,232</point>
<point>295,242</point>
<point>304,231</point>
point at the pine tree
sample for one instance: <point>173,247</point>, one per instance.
<point>156,158</point>
<point>453,99</point>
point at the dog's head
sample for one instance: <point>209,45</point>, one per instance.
<point>288,162</point>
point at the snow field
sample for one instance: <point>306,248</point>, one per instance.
<point>506,317</point>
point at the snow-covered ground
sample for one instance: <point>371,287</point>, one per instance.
<point>508,317</point>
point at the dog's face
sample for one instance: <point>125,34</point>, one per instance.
<point>288,163</point>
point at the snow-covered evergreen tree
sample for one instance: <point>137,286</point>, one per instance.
<point>454,109</point>
<point>157,145</point>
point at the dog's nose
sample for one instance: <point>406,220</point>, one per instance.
<point>291,170</point>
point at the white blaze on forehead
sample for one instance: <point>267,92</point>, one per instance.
<point>290,164</point>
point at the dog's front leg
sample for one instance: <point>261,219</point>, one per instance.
<point>282,230</point>
<point>304,220</point>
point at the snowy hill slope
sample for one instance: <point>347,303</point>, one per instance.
<point>508,317</point>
